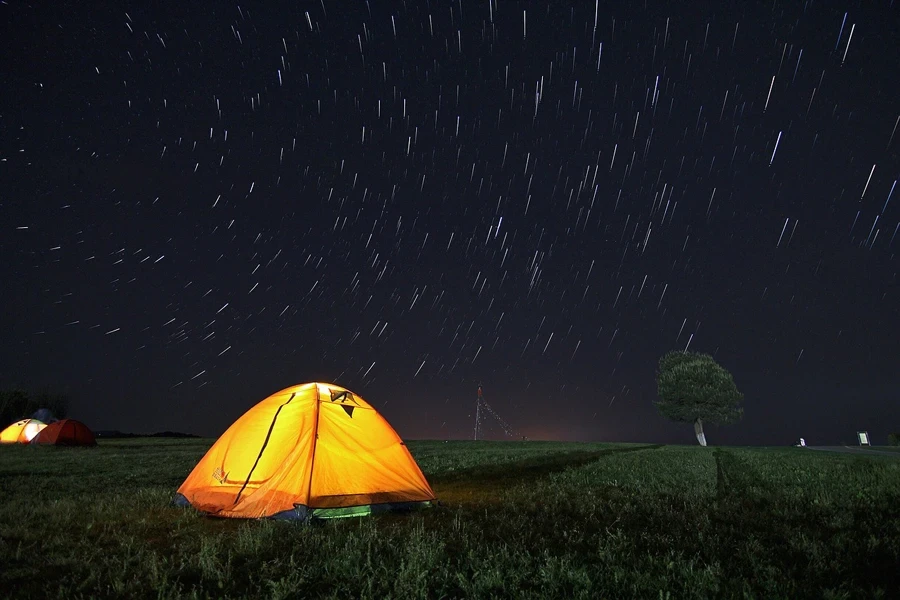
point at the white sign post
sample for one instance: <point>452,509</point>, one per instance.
<point>863,438</point>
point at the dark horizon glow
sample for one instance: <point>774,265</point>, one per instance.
<point>203,205</point>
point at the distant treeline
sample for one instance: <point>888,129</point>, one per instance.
<point>162,434</point>
<point>16,403</point>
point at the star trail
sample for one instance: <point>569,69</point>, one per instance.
<point>202,203</point>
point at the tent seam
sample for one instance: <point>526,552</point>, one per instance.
<point>312,459</point>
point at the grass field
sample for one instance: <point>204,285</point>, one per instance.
<point>518,520</point>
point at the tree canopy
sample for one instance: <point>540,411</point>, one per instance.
<point>17,404</point>
<point>694,386</point>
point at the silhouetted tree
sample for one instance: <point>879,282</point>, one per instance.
<point>13,405</point>
<point>694,388</point>
<point>57,404</point>
<point>16,403</point>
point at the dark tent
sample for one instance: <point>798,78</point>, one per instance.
<point>67,432</point>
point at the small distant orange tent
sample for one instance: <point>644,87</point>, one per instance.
<point>314,450</point>
<point>21,432</point>
<point>67,432</point>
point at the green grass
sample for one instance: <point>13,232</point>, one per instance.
<point>518,520</point>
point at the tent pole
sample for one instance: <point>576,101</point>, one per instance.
<point>312,461</point>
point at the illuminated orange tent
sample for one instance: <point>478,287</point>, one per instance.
<point>314,450</point>
<point>21,432</point>
<point>67,432</point>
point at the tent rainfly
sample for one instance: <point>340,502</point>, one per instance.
<point>311,451</point>
<point>67,432</point>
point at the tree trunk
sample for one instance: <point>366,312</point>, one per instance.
<point>698,430</point>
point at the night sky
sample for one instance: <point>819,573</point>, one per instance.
<point>204,203</point>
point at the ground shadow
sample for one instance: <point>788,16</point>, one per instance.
<point>488,480</point>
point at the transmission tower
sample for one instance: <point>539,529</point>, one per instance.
<point>478,400</point>
<point>482,405</point>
